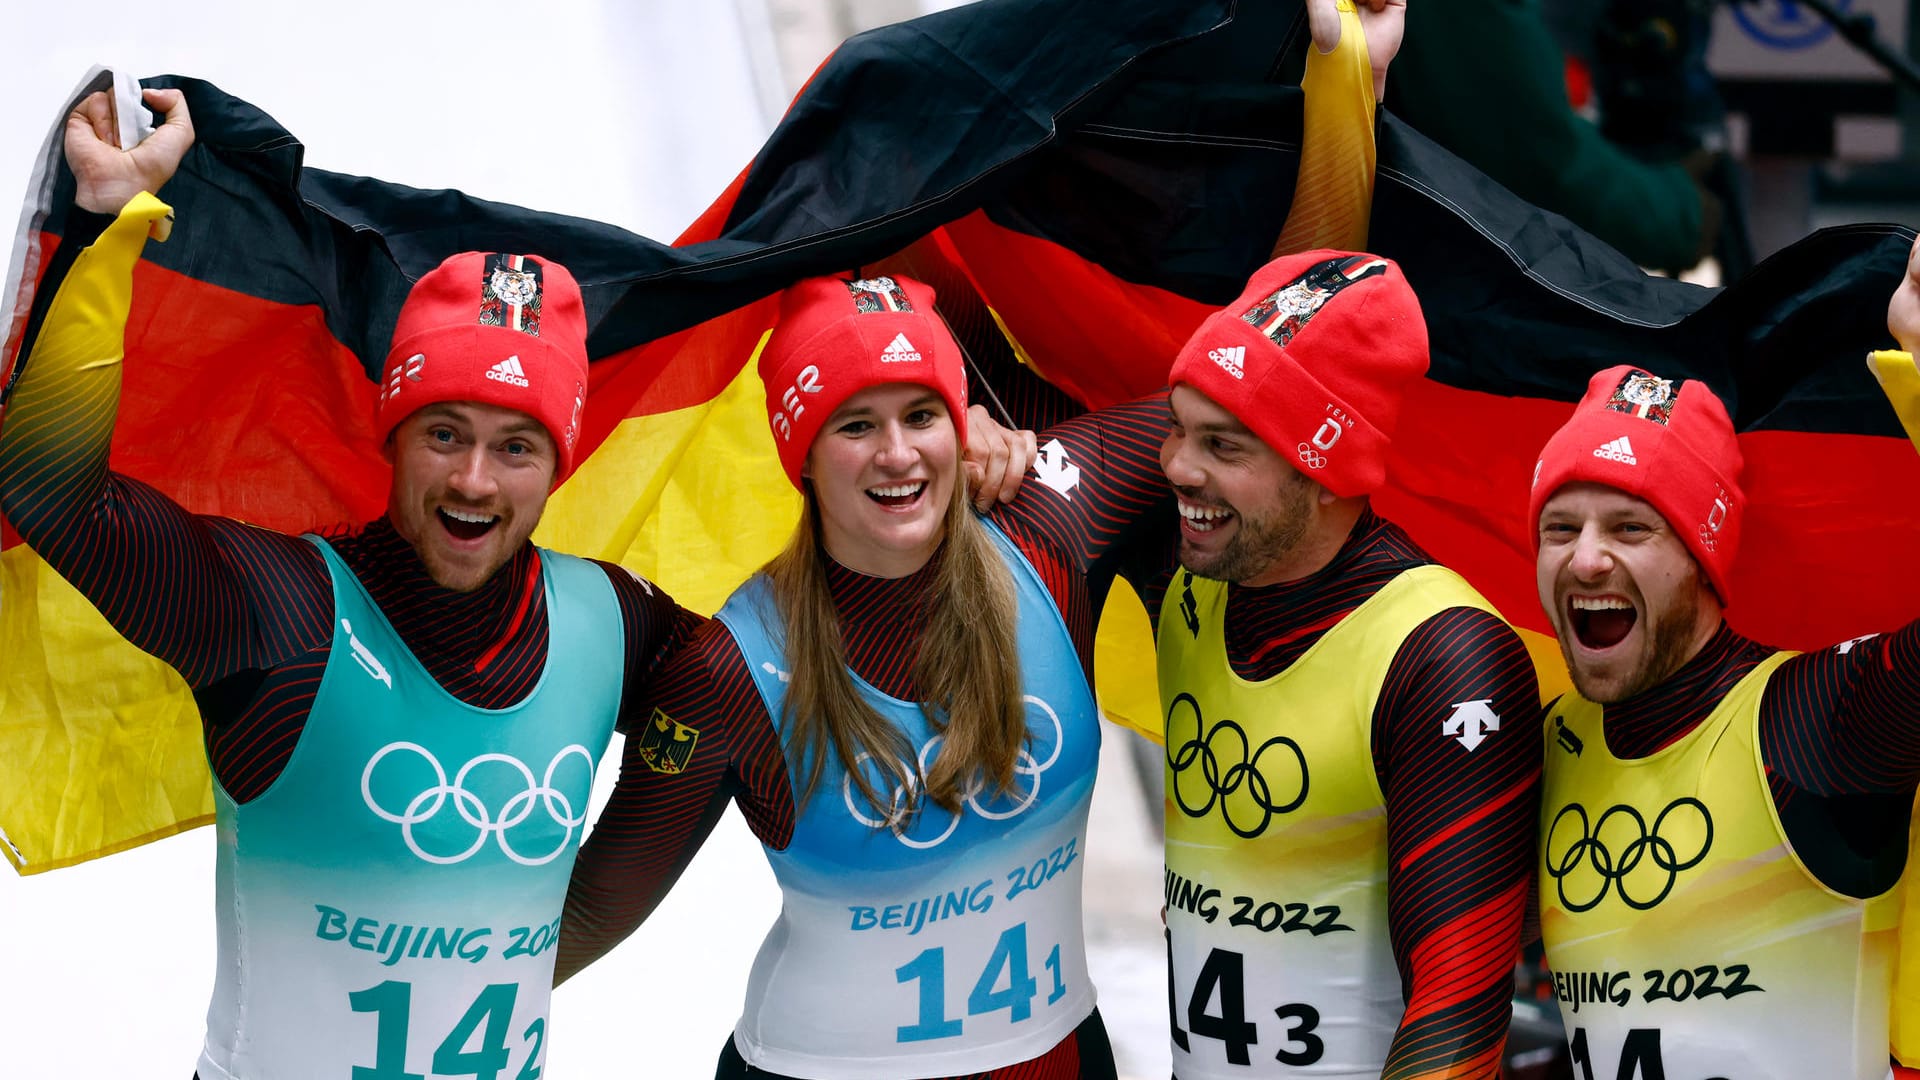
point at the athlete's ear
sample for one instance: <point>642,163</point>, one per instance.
<point>386,448</point>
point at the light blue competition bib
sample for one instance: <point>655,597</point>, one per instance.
<point>949,945</point>
<point>388,909</point>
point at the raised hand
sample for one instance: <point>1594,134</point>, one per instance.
<point>1384,21</point>
<point>996,458</point>
<point>108,177</point>
<point>1903,312</point>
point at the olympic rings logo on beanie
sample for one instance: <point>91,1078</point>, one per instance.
<point>1314,358</point>
<point>1676,449</point>
<point>836,337</point>
<point>497,329</point>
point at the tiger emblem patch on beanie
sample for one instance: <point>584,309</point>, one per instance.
<point>872,295</point>
<point>510,294</point>
<point>1286,312</point>
<point>1644,395</point>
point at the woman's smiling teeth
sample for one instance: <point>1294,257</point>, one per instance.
<point>896,494</point>
<point>1203,518</point>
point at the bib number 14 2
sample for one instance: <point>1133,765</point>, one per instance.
<point>489,1019</point>
<point>1223,978</point>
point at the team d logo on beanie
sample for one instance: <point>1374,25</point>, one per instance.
<point>1313,358</point>
<point>495,329</point>
<point>1673,446</point>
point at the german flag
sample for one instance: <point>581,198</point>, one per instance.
<point>259,328</point>
<point>1080,216</point>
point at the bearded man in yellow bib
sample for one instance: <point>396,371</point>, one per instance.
<point>1724,824</point>
<point>1351,775</point>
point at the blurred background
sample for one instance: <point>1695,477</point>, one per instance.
<point>1698,136</point>
<point>1682,132</point>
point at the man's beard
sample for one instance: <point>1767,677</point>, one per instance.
<point>1260,542</point>
<point>1668,650</point>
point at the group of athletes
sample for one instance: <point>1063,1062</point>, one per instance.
<point>1362,792</point>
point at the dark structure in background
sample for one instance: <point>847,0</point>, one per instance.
<point>1728,128</point>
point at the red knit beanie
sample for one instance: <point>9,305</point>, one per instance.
<point>837,337</point>
<point>1313,358</point>
<point>506,330</point>
<point>1675,449</point>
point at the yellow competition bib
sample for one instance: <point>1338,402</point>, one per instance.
<point>1684,934</point>
<point>1276,877</point>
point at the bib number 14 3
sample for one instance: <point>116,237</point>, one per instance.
<point>1223,978</point>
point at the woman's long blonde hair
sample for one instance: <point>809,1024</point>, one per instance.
<point>968,672</point>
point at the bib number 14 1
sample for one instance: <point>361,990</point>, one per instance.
<point>1005,983</point>
<point>489,1017</point>
<point>1223,976</point>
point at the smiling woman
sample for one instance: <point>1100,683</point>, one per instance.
<point>879,476</point>
<point>881,499</point>
<point>882,475</point>
<point>899,702</point>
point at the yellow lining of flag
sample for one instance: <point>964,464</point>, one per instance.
<point>104,742</point>
<point>1900,381</point>
<point>694,500</point>
<point>1333,190</point>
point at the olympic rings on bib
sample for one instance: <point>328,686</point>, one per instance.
<point>1026,765</point>
<point>1241,775</point>
<point>1565,857</point>
<point>472,808</point>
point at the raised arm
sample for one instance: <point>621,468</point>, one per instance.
<point>1096,485</point>
<point>1846,720</point>
<point>1903,311</point>
<point>1384,22</point>
<point>1462,803</point>
<point>106,176</point>
<point>116,540</point>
